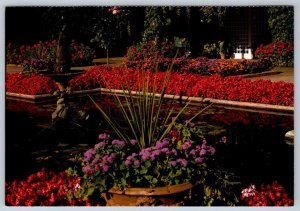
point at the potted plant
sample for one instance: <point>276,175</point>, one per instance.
<point>220,48</point>
<point>161,174</point>
<point>210,50</point>
<point>155,152</point>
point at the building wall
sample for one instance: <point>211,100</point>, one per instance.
<point>247,26</point>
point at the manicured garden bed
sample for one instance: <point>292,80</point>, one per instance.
<point>204,66</point>
<point>232,88</point>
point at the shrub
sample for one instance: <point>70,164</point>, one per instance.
<point>149,54</point>
<point>41,55</point>
<point>278,52</point>
<point>81,54</point>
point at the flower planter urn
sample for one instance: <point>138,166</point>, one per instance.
<point>173,195</point>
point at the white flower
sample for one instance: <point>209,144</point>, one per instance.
<point>250,191</point>
<point>76,187</point>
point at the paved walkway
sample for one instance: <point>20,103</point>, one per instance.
<point>280,74</point>
<point>277,74</point>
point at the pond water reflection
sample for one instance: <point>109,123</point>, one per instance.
<point>255,148</point>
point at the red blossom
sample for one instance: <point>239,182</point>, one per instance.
<point>270,195</point>
<point>44,189</point>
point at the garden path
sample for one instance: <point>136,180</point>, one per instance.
<point>286,74</point>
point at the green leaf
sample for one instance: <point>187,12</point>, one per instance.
<point>154,181</point>
<point>147,164</point>
<point>148,177</point>
<point>178,173</point>
<point>143,171</point>
<point>90,191</point>
<point>123,181</point>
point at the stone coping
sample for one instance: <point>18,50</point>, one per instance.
<point>265,73</point>
<point>255,106</point>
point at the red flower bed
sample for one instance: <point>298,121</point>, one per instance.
<point>266,195</point>
<point>44,189</point>
<point>217,87</point>
<point>29,84</point>
<point>226,88</point>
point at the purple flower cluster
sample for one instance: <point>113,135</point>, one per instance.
<point>167,154</point>
<point>200,151</point>
<point>160,147</point>
<point>182,162</point>
<point>109,158</point>
<point>89,154</point>
<point>130,158</point>
<point>87,169</point>
<point>163,143</point>
<point>146,153</point>
<point>103,136</point>
<point>100,145</point>
<point>97,163</point>
<point>118,142</point>
<point>133,142</point>
<point>186,145</point>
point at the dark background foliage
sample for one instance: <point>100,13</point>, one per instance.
<point>198,25</point>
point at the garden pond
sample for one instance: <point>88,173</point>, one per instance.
<point>255,149</point>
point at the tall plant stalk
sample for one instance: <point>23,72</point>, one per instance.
<point>142,109</point>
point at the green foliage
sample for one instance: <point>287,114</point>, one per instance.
<point>210,50</point>
<point>110,22</point>
<point>212,12</point>
<point>221,188</point>
<point>157,21</point>
<point>281,23</point>
<point>213,50</point>
<point>183,45</point>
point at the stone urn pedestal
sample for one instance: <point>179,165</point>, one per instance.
<point>62,79</point>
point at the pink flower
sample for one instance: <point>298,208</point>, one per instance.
<point>103,136</point>
<point>250,191</point>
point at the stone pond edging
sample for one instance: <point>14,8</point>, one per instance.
<point>255,106</point>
